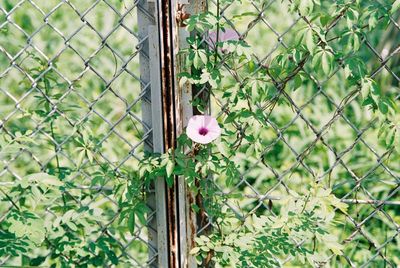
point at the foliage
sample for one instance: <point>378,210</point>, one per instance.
<point>239,243</point>
<point>308,116</point>
<point>326,48</point>
<point>70,195</point>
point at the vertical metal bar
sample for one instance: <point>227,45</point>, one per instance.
<point>184,110</point>
<point>187,217</point>
<point>143,22</point>
<point>158,146</point>
<point>169,121</point>
<point>177,110</point>
<point>152,116</point>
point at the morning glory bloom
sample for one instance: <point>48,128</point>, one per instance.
<point>203,129</point>
<point>226,35</point>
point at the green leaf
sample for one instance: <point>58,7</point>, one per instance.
<point>383,107</point>
<point>170,181</point>
<point>245,114</point>
<point>230,118</point>
<point>197,61</point>
<point>309,39</point>
<point>395,6</point>
<point>326,62</point>
<point>194,251</point>
<point>81,156</point>
<point>113,258</point>
<point>71,225</point>
<point>306,7</point>
<point>141,210</point>
<point>325,19</point>
<point>391,135</point>
<point>37,261</point>
<point>131,221</point>
<point>44,178</point>
<point>298,81</point>
<point>170,167</point>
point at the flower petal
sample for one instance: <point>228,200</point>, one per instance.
<point>228,34</point>
<point>196,121</point>
<point>211,123</point>
<point>203,121</point>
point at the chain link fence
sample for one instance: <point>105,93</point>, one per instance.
<point>318,133</point>
<point>75,106</point>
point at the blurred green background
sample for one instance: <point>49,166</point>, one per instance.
<point>350,158</point>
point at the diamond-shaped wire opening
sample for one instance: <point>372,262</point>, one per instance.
<point>45,36</point>
<point>105,64</point>
<point>3,16</point>
<point>102,17</point>
<point>63,62</point>
<point>130,128</point>
<point>263,25</point>
<point>24,163</point>
<point>16,83</point>
<point>77,112</point>
<point>89,79</point>
<point>31,61</point>
<point>369,139</point>
<point>110,106</point>
<point>85,42</point>
<point>4,62</point>
<point>12,39</point>
<point>82,7</point>
<point>114,154</point>
<point>44,6</point>
<point>123,43</point>
<point>8,103</point>
<point>66,28</point>
<point>127,81</point>
<point>27,17</point>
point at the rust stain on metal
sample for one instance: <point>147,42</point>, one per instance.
<point>172,17</point>
<point>192,225</point>
<point>172,228</point>
<point>192,219</point>
<point>167,84</point>
<point>181,15</point>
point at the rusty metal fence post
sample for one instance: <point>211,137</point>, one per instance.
<point>184,110</point>
<point>181,221</point>
<point>176,110</point>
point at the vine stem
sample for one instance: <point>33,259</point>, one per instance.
<point>55,147</point>
<point>47,89</point>
<point>217,35</point>
<point>10,199</point>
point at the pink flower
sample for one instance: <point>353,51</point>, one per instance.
<point>203,129</point>
<point>229,34</point>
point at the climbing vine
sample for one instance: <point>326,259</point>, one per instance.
<point>300,226</point>
<point>274,118</point>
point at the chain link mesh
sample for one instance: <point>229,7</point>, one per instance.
<point>317,133</point>
<point>93,55</point>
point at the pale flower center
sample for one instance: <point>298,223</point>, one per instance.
<point>203,131</point>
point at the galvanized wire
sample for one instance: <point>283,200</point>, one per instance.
<point>96,44</point>
<point>376,207</point>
